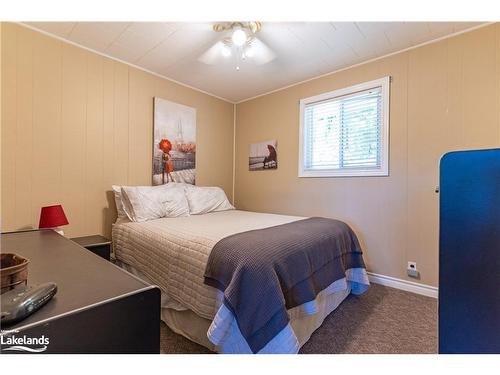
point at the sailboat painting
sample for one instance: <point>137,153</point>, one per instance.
<point>174,143</point>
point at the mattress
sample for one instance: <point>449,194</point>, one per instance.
<point>173,252</point>
<point>303,321</point>
<point>302,326</point>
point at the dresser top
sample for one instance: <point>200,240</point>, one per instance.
<point>83,279</point>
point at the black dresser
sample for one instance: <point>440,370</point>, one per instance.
<point>99,308</point>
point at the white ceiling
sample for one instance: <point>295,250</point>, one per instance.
<point>304,49</point>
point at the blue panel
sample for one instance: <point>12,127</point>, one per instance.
<point>469,255</point>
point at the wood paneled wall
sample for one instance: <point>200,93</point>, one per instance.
<point>74,123</point>
<point>444,96</point>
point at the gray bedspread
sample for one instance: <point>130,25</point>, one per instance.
<point>264,272</point>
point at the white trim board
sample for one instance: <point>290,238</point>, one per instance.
<point>409,286</point>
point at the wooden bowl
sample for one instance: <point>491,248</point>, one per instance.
<point>13,271</point>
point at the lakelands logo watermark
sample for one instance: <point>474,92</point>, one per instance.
<point>17,343</point>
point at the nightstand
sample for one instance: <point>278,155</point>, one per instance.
<point>97,244</point>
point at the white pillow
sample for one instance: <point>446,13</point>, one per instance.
<point>117,190</point>
<point>203,200</point>
<point>142,203</point>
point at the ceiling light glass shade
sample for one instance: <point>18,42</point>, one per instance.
<point>226,51</point>
<point>249,51</point>
<point>239,37</point>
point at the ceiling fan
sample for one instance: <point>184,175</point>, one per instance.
<point>239,42</point>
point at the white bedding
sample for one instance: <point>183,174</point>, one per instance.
<point>143,203</point>
<point>203,200</point>
<point>173,252</point>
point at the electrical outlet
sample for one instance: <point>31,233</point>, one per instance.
<point>412,270</point>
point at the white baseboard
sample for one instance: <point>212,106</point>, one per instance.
<point>409,286</point>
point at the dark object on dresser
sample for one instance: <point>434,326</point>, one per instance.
<point>97,244</point>
<point>99,308</point>
<point>23,301</point>
<point>469,252</point>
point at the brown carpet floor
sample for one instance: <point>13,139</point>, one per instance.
<point>382,320</point>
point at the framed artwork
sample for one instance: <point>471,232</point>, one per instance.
<point>263,155</point>
<point>174,143</point>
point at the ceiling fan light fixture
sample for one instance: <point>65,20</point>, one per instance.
<point>239,37</point>
<point>239,42</point>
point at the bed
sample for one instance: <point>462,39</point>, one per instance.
<point>173,254</point>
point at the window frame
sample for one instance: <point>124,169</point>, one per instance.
<point>384,84</point>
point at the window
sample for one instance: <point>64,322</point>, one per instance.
<point>346,132</point>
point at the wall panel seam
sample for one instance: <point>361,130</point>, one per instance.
<point>16,127</point>
<point>61,183</point>
<point>32,127</point>
<point>85,130</point>
<point>406,179</point>
<point>234,153</point>
<point>128,125</point>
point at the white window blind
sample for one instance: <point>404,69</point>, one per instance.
<point>344,133</point>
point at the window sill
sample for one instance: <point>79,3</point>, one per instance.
<point>343,173</point>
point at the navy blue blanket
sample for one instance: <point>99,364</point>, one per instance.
<point>265,272</point>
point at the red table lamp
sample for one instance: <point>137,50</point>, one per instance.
<point>53,217</point>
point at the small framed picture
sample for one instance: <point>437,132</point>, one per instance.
<point>263,156</point>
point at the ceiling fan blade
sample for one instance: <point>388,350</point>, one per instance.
<point>260,53</point>
<point>214,54</point>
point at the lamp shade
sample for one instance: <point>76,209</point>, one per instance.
<point>52,216</point>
